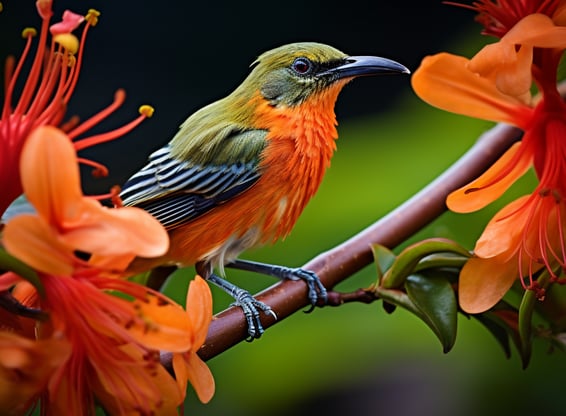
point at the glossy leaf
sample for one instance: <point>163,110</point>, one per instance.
<point>502,322</point>
<point>409,258</point>
<point>436,301</point>
<point>384,258</point>
<point>494,326</point>
<point>398,298</point>
<point>10,263</point>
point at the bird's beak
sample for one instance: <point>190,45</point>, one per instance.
<point>357,66</point>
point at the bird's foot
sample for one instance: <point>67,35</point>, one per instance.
<point>251,308</point>
<point>316,291</point>
<point>250,305</point>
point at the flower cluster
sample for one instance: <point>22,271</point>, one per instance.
<point>513,81</point>
<point>95,337</point>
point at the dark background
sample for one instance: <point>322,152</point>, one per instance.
<point>180,55</point>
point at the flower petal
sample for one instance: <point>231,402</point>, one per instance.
<point>445,81</point>
<point>503,232</point>
<point>29,239</point>
<point>154,391</point>
<point>50,175</point>
<point>493,182</point>
<point>537,30</point>
<point>114,231</point>
<point>25,369</point>
<point>199,308</point>
<point>192,368</point>
<point>484,282</point>
<point>166,325</point>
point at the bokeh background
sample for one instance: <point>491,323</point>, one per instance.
<point>356,359</point>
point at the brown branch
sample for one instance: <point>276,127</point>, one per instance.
<point>229,327</point>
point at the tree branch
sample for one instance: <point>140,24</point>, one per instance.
<point>333,266</point>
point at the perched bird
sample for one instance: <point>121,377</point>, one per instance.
<point>240,171</point>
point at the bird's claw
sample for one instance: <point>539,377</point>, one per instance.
<point>316,291</point>
<point>251,307</point>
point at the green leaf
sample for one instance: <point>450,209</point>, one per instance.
<point>408,259</point>
<point>435,299</point>
<point>441,260</point>
<point>10,263</point>
<point>398,298</point>
<point>384,258</point>
<point>497,329</point>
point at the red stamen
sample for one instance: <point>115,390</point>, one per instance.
<point>99,171</point>
<point>119,98</point>
<point>113,196</point>
<point>70,124</point>
<point>14,74</point>
<point>111,135</point>
<point>78,63</point>
<point>47,104</point>
<point>29,89</point>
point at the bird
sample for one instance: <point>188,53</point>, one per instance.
<point>239,171</point>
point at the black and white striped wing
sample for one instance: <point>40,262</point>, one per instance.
<point>176,191</point>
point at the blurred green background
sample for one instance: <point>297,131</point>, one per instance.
<point>356,359</point>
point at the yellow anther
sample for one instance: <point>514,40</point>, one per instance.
<point>92,17</point>
<point>146,110</point>
<point>29,32</point>
<point>68,41</point>
<point>71,61</point>
<point>1,7</point>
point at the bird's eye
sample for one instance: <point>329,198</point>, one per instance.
<point>302,66</point>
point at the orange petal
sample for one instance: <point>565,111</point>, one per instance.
<point>484,282</point>
<point>137,388</point>
<point>191,367</point>
<point>493,183</point>
<point>50,174</point>
<point>199,308</point>
<point>166,327</point>
<point>28,238</point>
<point>515,77</point>
<point>445,81</point>
<point>537,30</point>
<point>114,231</point>
<point>503,233</point>
<point>25,369</point>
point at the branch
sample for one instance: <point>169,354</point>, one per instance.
<point>333,266</point>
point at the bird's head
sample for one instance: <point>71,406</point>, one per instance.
<point>290,74</point>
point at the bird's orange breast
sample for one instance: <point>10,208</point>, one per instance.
<point>301,141</point>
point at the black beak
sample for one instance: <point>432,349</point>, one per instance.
<point>356,66</point>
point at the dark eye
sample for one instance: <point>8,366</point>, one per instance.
<point>302,66</point>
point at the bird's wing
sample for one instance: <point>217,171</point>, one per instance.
<point>176,191</point>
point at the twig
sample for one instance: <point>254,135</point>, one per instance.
<point>229,327</point>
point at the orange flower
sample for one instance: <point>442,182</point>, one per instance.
<point>188,365</point>
<point>68,222</point>
<point>105,335</point>
<point>115,346</point>
<point>114,340</point>
<point>25,369</point>
<point>527,235</point>
<point>46,91</point>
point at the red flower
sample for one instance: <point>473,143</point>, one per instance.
<point>46,92</point>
